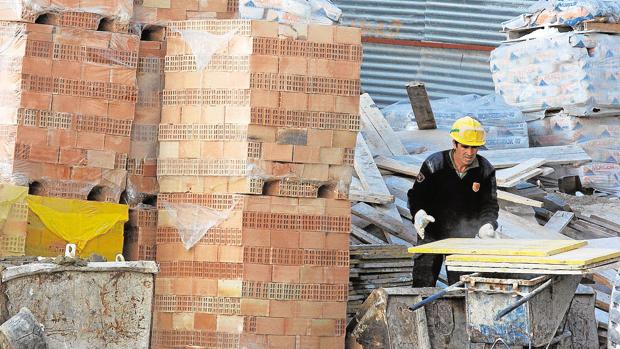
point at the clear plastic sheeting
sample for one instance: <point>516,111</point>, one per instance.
<point>505,126</point>
<point>193,222</point>
<point>291,11</point>
<point>577,72</point>
<point>565,12</point>
<point>204,44</point>
<point>30,10</point>
<point>599,137</point>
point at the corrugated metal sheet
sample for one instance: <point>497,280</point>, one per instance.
<point>447,72</point>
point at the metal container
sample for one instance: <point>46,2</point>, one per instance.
<point>100,305</point>
<point>533,323</point>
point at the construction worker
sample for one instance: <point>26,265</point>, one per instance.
<point>454,196</point>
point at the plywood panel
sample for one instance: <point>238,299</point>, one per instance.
<point>500,247</point>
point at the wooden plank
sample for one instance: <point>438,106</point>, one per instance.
<point>397,166</point>
<point>474,264</point>
<point>367,170</point>
<point>403,208</point>
<point>601,27</point>
<point>535,270</point>
<point>578,257</point>
<point>503,158</point>
<point>398,186</point>
<point>498,247</point>
<point>357,193</point>
<point>559,221</point>
<point>555,155</point>
<point>514,227</point>
<point>511,176</point>
<point>372,115</point>
<point>365,237</point>
<point>407,232</point>
<point>373,216</point>
<point>421,106</point>
<point>506,196</point>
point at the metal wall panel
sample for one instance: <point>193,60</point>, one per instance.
<point>447,72</point>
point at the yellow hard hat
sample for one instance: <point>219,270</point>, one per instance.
<point>468,131</point>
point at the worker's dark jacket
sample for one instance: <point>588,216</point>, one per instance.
<point>460,206</point>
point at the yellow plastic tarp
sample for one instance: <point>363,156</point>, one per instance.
<point>9,196</point>
<point>77,221</point>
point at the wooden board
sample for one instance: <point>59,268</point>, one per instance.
<point>559,221</point>
<point>529,265</point>
<point>555,155</point>
<point>367,170</point>
<point>592,270</point>
<point>358,193</point>
<point>510,176</point>
<point>421,105</point>
<point>498,247</point>
<point>577,257</point>
<point>512,226</point>
<point>372,118</point>
<point>397,166</point>
<point>506,196</point>
<point>377,218</point>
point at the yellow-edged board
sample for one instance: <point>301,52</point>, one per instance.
<point>501,247</point>
<point>578,257</point>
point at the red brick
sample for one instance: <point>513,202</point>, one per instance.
<point>325,103</point>
<point>230,254</point>
<point>277,152</point>
<point>293,65</point>
<point>44,154</point>
<point>296,326</point>
<point>347,35</point>
<point>121,110</point>
<point>285,238</point>
<point>91,140</point>
<point>256,237</point>
<point>93,106</point>
<point>312,239</point>
<point>337,241</point>
<point>75,157</point>
<point>86,174</point>
<point>254,341</point>
<point>207,322</point>
<point>285,273</point>
<point>117,144</point>
<point>293,100</point>
<point>281,342</point>
<point>257,272</point>
<point>263,64</point>
<point>181,286</point>
<point>310,309</point>
<point>204,287</point>
<point>322,327</point>
<point>92,72</point>
<point>163,320</point>
<point>55,171</point>
<point>346,104</point>
<point>331,342</point>
<point>311,275</point>
<point>336,275</point>
<point>334,310</point>
<point>306,154</point>
<point>256,307</point>
<point>65,104</point>
<point>35,100</point>
<point>270,325</point>
<point>321,33</point>
<point>311,342</point>
<point>206,253</point>
<point>286,309</point>
<point>66,69</point>
<point>32,135</point>
<point>320,138</point>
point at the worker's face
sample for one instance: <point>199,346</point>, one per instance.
<point>464,154</point>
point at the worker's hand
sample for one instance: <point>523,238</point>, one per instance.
<point>487,232</point>
<point>421,220</point>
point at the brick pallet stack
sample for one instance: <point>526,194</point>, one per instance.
<point>68,98</point>
<point>270,116</point>
<point>149,12</point>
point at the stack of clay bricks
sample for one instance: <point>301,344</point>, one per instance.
<point>68,98</point>
<point>142,187</point>
<point>256,149</point>
<point>160,12</point>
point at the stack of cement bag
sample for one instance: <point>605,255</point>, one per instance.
<point>567,82</point>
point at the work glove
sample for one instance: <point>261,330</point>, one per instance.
<point>487,232</point>
<point>421,220</point>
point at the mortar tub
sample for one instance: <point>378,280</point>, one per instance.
<point>101,305</point>
<point>534,322</point>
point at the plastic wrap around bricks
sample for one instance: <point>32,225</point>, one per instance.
<point>68,104</point>
<point>259,113</point>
